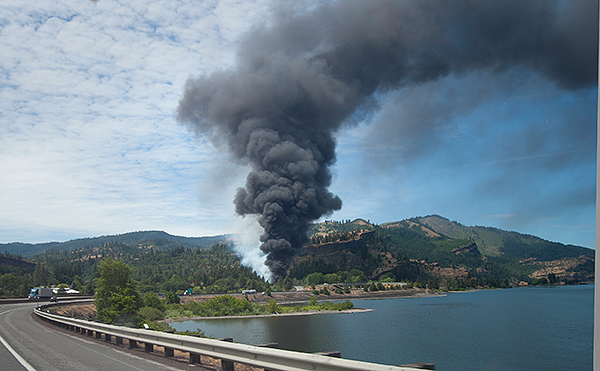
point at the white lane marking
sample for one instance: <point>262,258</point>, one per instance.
<point>17,356</point>
<point>77,342</point>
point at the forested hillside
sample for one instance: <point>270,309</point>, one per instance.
<point>436,249</point>
<point>158,239</point>
<point>496,242</point>
<point>426,252</point>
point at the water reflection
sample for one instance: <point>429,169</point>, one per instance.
<point>291,332</point>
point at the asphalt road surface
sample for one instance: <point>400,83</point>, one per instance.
<point>27,344</point>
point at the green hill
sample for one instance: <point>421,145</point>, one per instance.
<point>159,239</point>
<point>494,242</point>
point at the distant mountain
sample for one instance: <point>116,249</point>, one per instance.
<point>159,239</point>
<point>435,247</point>
<point>494,242</point>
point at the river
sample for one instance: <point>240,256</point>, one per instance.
<point>529,328</point>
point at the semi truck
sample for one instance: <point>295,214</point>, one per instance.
<point>38,293</point>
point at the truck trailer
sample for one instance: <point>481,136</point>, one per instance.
<point>38,293</point>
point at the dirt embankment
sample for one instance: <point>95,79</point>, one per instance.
<point>79,311</point>
<point>299,297</point>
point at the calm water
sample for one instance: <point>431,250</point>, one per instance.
<point>538,328</point>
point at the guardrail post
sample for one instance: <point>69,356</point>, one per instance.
<point>194,357</point>
<point>133,343</point>
<point>225,364</point>
<point>107,338</point>
<point>169,352</point>
<point>98,335</point>
<point>119,340</point>
<point>148,347</point>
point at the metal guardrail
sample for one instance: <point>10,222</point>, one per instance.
<point>228,352</point>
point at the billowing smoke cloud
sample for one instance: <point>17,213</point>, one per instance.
<point>302,76</point>
<point>246,237</point>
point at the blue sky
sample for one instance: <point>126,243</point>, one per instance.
<point>89,143</point>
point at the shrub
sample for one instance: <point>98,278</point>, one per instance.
<point>150,314</point>
<point>172,298</point>
<point>271,307</point>
<point>159,326</point>
<point>152,300</point>
<point>178,312</point>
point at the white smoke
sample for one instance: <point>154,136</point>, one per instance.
<point>247,232</point>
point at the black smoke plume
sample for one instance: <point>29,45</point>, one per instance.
<point>301,76</point>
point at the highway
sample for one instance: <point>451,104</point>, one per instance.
<point>28,344</point>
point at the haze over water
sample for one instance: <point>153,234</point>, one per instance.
<point>537,328</point>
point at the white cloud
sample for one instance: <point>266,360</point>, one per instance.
<point>88,141</point>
